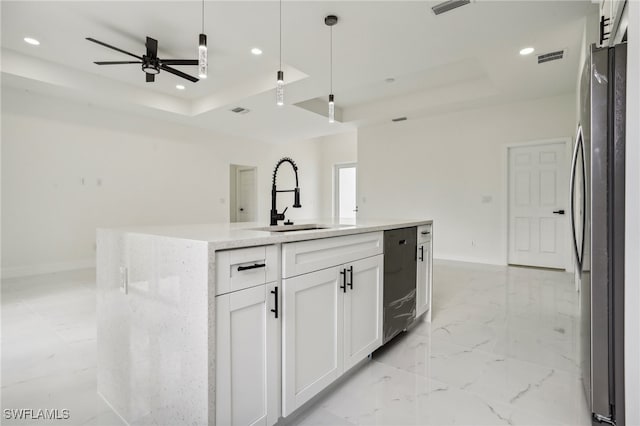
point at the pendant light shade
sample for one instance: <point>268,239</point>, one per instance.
<point>202,56</point>
<point>203,66</point>
<point>280,74</point>
<point>330,21</point>
<point>280,89</point>
<point>332,109</point>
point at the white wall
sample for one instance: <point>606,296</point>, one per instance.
<point>632,214</point>
<point>136,171</point>
<point>334,149</point>
<point>439,167</point>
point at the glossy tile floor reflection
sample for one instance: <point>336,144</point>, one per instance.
<point>502,349</point>
<point>49,348</point>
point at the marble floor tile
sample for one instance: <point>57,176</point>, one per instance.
<point>502,349</point>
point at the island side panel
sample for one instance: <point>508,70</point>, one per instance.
<point>153,331</point>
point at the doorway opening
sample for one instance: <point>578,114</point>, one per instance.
<point>243,193</point>
<point>537,204</point>
<point>344,191</point>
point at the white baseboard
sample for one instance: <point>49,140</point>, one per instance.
<point>46,268</point>
<point>463,259</point>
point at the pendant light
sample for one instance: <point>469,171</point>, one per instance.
<point>202,50</point>
<point>280,75</point>
<point>330,21</point>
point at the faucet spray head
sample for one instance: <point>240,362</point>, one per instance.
<point>296,198</point>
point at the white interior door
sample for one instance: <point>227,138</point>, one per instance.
<point>538,204</point>
<point>246,194</point>
<point>345,191</point>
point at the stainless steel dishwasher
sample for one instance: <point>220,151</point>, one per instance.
<point>400,246</point>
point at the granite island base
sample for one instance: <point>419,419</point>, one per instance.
<point>226,324</point>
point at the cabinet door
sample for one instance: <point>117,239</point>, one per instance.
<point>424,277</point>
<point>312,335</point>
<point>247,357</point>
<point>363,309</point>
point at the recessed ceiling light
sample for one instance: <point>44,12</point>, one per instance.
<point>256,51</point>
<point>32,41</point>
<point>389,80</point>
<point>179,87</point>
<point>527,51</point>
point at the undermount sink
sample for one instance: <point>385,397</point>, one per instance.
<point>287,228</point>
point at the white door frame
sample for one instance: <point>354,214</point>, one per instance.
<point>568,148</point>
<point>336,182</point>
<point>255,188</point>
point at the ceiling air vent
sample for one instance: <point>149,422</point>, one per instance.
<point>449,5</point>
<point>395,120</point>
<point>240,110</point>
<point>551,56</point>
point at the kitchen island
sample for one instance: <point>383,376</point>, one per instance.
<point>235,323</point>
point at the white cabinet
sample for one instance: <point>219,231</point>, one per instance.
<point>313,255</point>
<point>247,267</point>
<point>362,309</point>
<point>312,335</point>
<point>611,17</point>
<point>332,320</point>
<point>425,272</point>
<point>248,356</point>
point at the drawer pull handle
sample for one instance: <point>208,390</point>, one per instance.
<point>275,293</point>
<point>421,253</point>
<point>426,232</point>
<point>254,266</point>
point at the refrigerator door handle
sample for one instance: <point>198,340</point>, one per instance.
<point>572,182</point>
<point>584,199</point>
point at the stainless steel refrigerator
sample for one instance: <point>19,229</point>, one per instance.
<point>597,218</point>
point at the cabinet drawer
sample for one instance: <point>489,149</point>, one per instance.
<point>243,268</point>
<point>424,233</point>
<point>308,256</point>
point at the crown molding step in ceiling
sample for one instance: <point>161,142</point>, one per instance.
<point>392,58</point>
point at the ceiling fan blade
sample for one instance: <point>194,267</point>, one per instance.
<point>150,78</point>
<point>178,73</point>
<point>116,62</point>
<point>152,47</point>
<point>179,61</point>
<point>113,47</point>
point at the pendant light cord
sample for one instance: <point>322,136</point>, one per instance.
<point>280,35</point>
<point>202,16</point>
<point>331,59</point>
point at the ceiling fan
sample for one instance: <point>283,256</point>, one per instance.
<point>151,64</point>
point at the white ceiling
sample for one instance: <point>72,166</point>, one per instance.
<point>440,63</point>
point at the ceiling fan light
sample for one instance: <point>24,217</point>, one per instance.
<point>202,56</point>
<point>150,69</point>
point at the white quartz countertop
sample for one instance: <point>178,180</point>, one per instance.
<point>222,236</point>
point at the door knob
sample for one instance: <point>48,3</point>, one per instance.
<point>558,212</point>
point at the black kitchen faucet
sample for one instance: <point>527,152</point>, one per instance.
<point>275,216</point>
